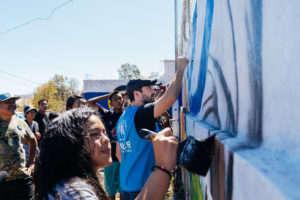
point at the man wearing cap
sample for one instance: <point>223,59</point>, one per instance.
<point>110,119</point>
<point>13,132</point>
<point>136,154</point>
<point>29,113</point>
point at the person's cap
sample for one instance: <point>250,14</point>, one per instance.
<point>135,84</point>
<point>7,96</point>
<point>119,89</point>
<point>28,108</point>
<point>113,93</point>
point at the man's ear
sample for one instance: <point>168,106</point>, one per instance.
<point>136,94</point>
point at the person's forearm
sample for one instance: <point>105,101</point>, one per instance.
<point>155,187</point>
<point>165,150</point>
<point>99,98</point>
<point>171,95</point>
<point>118,152</point>
<point>32,151</point>
<point>175,86</point>
<point>37,136</point>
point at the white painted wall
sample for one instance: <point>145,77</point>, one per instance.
<point>101,85</point>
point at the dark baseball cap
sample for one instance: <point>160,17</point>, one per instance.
<point>113,93</point>
<point>28,108</point>
<point>7,96</point>
<point>135,84</point>
<point>120,88</point>
<point>117,90</point>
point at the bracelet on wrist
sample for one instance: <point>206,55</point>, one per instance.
<point>162,168</point>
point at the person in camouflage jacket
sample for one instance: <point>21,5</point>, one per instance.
<point>13,133</point>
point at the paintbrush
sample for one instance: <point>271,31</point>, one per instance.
<point>193,154</point>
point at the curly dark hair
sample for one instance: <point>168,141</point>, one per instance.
<point>63,156</point>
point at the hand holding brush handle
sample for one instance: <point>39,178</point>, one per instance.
<point>193,154</point>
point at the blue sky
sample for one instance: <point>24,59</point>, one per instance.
<point>83,37</point>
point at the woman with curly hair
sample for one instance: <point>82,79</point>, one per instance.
<point>76,146</point>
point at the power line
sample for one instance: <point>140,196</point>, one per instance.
<point>19,77</point>
<point>18,81</point>
<point>36,19</point>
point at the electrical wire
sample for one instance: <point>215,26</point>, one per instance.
<point>36,19</point>
<point>22,83</point>
<point>21,78</point>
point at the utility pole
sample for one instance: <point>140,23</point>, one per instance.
<point>176,31</point>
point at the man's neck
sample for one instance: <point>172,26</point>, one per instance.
<point>137,103</point>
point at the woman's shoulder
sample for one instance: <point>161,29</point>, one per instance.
<point>74,189</point>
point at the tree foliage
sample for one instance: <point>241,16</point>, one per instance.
<point>73,85</point>
<point>128,71</point>
<point>154,75</point>
<point>56,91</point>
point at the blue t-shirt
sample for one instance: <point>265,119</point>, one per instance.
<point>137,153</point>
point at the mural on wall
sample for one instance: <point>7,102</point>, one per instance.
<point>207,75</point>
<point>223,89</point>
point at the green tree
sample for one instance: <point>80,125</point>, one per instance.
<point>63,90</point>
<point>49,92</point>
<point>56,91</point>
<point>128,71</point>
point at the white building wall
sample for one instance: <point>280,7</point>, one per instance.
<point>101,85</point>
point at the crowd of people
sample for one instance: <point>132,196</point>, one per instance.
<point>58,155</point>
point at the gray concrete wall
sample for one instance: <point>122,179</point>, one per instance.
<point>241,84</point>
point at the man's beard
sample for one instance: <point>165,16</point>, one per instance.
<point>146,99</point>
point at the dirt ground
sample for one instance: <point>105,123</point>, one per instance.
<point>168,195</point>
